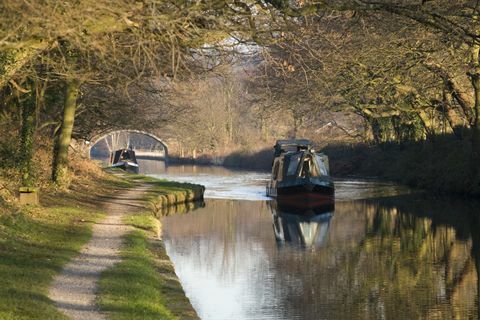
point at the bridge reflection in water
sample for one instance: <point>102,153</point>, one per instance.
<point>400,257</point>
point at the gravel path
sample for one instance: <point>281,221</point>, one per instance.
<point>74,290</point>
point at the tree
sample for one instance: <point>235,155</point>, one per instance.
<point>76,39</point>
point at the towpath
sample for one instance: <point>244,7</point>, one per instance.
<point>74,290</point>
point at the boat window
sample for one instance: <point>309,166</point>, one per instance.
<point>293,164</point>
<point>322,164</point>
<point>280,170</point>
<point>309,169</point>
<point>275,170</point>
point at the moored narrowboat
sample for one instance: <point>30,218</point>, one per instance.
<point>300,176</point>
<point>125,159</point>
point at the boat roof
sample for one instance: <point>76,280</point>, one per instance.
<point>291,145</point>
<point>294,142</point>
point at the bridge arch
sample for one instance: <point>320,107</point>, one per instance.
<point>96,139</point>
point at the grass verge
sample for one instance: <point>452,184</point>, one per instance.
<point>35,243</point>
<point>144,285</point>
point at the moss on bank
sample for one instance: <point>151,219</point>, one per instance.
<point>164,195</point>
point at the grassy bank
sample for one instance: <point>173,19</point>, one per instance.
<point>144,285</point>
<point>34,245</point>
<point>35,242</point>
<point>445,165</point>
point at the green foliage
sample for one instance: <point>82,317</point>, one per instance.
<point>27,139</point>
<point>7,57</point>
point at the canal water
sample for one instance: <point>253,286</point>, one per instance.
<point>383,253</point>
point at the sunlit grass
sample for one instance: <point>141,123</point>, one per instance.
<point>36,242</point>
<point>143,285</point>
<point>34,245</point>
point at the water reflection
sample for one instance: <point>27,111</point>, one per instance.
<point>180,208</point>
<point>397,258</point>
<point>299,226</point>
<point>151,166</point>
<point>220,182</point>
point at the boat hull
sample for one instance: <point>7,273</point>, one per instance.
<point>305,197</point>
<point>127,166</point>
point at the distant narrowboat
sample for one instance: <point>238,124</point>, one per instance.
<point>125,159</point>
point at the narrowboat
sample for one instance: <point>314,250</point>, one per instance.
<point>125,159</point>
<point>300,176</point>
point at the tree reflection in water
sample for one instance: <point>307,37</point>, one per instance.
<point>394,258</point>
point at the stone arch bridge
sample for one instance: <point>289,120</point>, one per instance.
<point>145,144</point>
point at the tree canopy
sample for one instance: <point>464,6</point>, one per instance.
<point>378,70</point>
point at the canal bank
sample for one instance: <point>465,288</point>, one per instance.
<point>143,285</point>
<point>37,242</point>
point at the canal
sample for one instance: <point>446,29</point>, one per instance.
<point>383,253</point>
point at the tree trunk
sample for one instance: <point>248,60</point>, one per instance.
<point>476,87</point>
<point>452,87</point>
<point>376,130</point>
<point>474,75</point>
<point>426,124</point>
<point>60,161</point>
<point>450,116</point>
<point>296,123</point>
<point>27,139</point>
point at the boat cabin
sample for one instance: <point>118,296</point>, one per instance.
<point>302,163</point>
<point>122,155</point>
<point>300,173</point>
